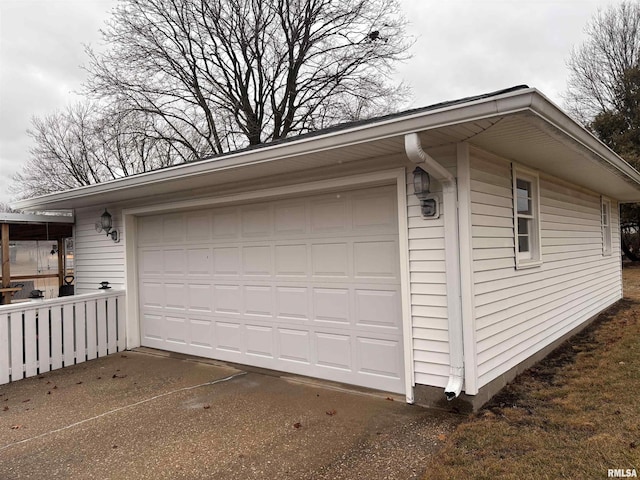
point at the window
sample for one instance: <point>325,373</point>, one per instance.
<point>526,218</point>
<point>606,226</point>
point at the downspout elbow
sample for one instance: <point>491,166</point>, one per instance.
<point>416,154</point>
<point>454,386</point>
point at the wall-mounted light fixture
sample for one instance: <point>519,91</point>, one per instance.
<point>106,225</point>
<point>428,202</point>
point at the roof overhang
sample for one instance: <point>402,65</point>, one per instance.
<point>521,125</point>
<point>37,227</point>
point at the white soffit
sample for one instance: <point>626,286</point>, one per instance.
<point>531,141</point>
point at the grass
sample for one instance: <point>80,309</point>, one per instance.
<point>574,415</point>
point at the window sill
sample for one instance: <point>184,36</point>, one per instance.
<point>524,264</point>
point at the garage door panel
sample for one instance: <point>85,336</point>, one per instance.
<point>228,299</point>
<point>292,303</point>
<point>176,329</point>
<point>260,341</point>
<point>291,260</point>
<point>294,345</point>
<point>200,298</point>
<point>173,228</point>
<point>151,262</point>
<point>151,294</point>
<point>150,230</point>
<point>225,224</point>
<point>329,215</point>
<point>290,218</point>
<point>174,261</point>
<point>228,336</point>
<point>377,308</point>
<point>199,262</point>
<point>258,301</point>
<point>198,226</point>
<point>375,211</point>
<point>256,221</point>
<point>377,259</point>
<point>201,333</point>
<point>226,261</point>
<point>256,261</point>
<point>330,260</point>
<point>175,295</point>
<point>334,350</point>
<point>331,305</point>
<point>378,357</point>
<point>152,327</point>
<point>307,285</point>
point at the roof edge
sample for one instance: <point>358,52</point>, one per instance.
<point>502,103</point>
<point>442,114</point>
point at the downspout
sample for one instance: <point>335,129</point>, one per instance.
<point>417,155</point>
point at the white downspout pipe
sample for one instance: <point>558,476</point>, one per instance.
<point>415,153</point>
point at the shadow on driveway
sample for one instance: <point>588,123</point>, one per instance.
<point>137,415</point>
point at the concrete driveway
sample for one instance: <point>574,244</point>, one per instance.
<point>141,415</point>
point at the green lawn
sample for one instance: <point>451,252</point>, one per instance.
<point>574,415</point>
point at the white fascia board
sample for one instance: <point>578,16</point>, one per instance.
<point>511,102</point>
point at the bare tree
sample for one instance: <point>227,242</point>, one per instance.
<point>217,75</point>
<point>85,145</point>
<point>604,93</point>
<point>598,69</point>
<point>183,79</point>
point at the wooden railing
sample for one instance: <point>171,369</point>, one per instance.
<point>38,337</point>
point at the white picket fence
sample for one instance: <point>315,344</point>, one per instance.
<point>38,337</point>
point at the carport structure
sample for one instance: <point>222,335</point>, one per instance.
<point>23,227</point>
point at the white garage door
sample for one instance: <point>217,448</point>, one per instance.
<point>309,286</point>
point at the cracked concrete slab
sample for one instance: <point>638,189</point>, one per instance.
<point>136,415</point>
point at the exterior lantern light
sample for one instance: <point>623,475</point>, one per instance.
<point>106,225</point>
<point>428,202</point>
<point>421,182</point>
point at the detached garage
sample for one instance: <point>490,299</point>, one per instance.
<point>434,253</point>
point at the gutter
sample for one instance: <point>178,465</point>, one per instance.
<point>417,155</point>
<point>513,102</point>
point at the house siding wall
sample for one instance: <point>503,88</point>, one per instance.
<point>428,283</point>
<point>97,257</point>
<point>518,312</point>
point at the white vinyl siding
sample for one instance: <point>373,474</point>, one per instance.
<point>428,284</point>
<point>97,257</point>
<point>518,312</point>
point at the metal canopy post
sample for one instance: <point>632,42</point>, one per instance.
<point>61,266</point>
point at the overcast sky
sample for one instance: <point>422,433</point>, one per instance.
<point>462,48</point>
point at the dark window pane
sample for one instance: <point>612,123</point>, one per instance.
<point>523,226</point>
<point>523,243</point>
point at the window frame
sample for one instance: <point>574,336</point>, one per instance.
<point>607,240</point>
<point>532,257</point>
